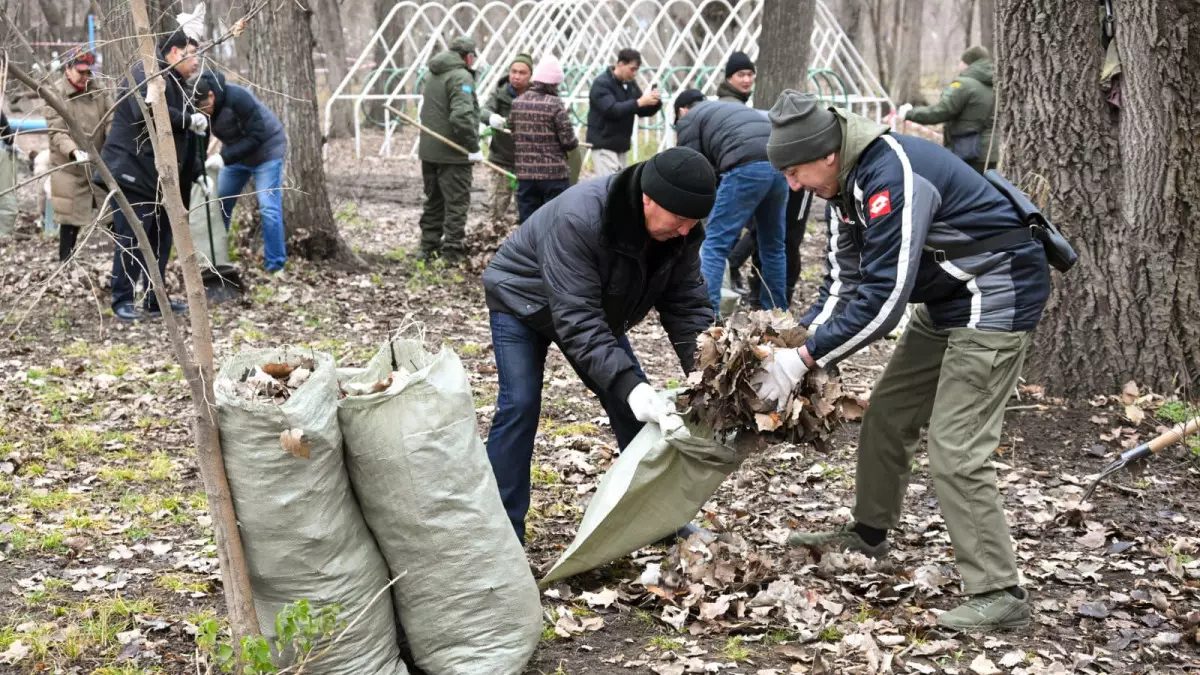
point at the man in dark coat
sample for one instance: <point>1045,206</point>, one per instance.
<point>615,101</point>
<point>581,272</point>
<point>501,147</point>
<point>253,144</point>
<point>734,139</point>
<point>130,156</point>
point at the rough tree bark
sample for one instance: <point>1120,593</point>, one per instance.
<point>1122,184</point>
<point>967,14</point>
<point>906,57</point>
<point>54,18</point>
<point>332,42</point>
<point>281,66</point>
<point>987,24</point>
<point>784,46</point>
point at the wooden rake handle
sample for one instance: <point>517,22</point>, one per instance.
<point>447,141</point>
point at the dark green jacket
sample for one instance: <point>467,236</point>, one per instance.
<point>451,109</point>
<point>728,93</point>
<point>967,106</point>
<point>503,150</point>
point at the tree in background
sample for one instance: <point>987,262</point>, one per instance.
<point>783,48</point>
<point>281,68</point>
<point>1120,182</point>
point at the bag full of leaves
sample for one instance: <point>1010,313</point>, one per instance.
<point>468,602</point>
<point>720,394</point>
<point>655,487</point>
<point>303,533</point>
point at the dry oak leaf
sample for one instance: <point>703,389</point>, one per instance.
<point>279,371</point>
<point>293,441</point>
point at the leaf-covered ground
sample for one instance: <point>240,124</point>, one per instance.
<point>107,561</point>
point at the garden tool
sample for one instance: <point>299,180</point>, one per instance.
<point>494,167</point>
<point>1151,447</point>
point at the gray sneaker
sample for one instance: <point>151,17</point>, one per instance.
<point>843,539</point>
<point>997,610</point>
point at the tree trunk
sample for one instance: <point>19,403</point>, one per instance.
<point>54,19</point>
<point>1122,185</point>
<point>987,24</point>
<point>849,14</point>
<point>968,20</point>
<point>906,57</point>
<point>332,41</point>
<point>784,46</point>
<point>281,65</point>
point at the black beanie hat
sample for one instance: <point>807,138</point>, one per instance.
<point>738,61</point>
<point>686,99</point>
<point>681,181</point>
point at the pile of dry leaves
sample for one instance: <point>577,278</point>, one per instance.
<point>484,239</point>
<point>271,381</point>
<point>728,357</point>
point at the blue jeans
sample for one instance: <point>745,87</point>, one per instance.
<point>129,267</point>
<point>757,190</point>
<point>533,194</point>
<point>268,183</point>
<point>520,365</point>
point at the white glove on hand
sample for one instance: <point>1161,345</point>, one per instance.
<point>206,185</point>
<point>214,162</point>
<point>780,374</point>
<point>475,156</point>
<point>80,156</point>
<point>198,123</point>
<point>496,121</point>
<point>902,112</point>
<point>648,406</point>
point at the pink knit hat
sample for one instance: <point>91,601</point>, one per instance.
<point>548,71</point>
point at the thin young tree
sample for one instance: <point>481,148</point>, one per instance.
<point>1121,182</point>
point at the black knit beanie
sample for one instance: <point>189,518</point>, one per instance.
<point>681,181</point>
<point>686,99</point>
<point>738,61</point>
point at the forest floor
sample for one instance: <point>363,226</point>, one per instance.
<point>107,562</point>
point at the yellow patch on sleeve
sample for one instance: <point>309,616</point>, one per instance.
<point>955,84</point>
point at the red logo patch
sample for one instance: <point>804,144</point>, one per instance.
<point>880,204</point>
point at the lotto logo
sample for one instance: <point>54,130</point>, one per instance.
<point>880,204</point>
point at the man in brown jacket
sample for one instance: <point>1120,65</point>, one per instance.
<point>543,136</point>
<point>74,197</point>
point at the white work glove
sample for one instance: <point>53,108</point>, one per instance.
<point>781,372</point>
<point>496,121</point>
<point>206,185</point>
<point>214,162</point>
<point>648,406</point>
<point>80,156</point>
<point>198,123</point>
<point>902,112</point>
<point>476,156</point>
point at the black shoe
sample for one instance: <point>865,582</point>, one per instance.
<point>126,312</point>
<point>427,254</point>
<point>454,256</point>
<point>176,307</point>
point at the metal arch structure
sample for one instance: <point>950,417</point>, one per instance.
<point>684,43</point>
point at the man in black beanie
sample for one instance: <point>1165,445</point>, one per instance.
<point>911,224</point>
<point>579,273</point>
<point>739,79</point>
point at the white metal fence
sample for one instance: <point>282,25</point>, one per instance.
<point>684,43</point>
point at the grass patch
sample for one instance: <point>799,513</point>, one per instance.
<point>542,475</point>
<point>830,634</point>
<point>666,644</point>
<point>735,650</point>
<point>181,583</point>
<point>577,429</point>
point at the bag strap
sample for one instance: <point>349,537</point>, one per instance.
<point>999,242</point>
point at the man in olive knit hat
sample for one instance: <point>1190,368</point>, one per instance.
<point>582,271</point>
<point>911,224</point>
<point>967,111</point>
<point>501,148</point>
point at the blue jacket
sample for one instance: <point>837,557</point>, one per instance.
<point>907,197</point>
<point>250,133</point>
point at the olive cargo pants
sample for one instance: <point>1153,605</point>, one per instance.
<point>958,381</point>
<point>447,197</point>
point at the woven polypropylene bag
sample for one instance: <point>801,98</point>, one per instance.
<point>467,601</point>
<point>301,528</point>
